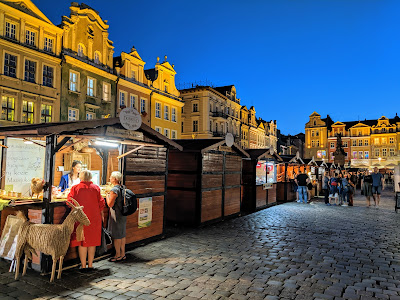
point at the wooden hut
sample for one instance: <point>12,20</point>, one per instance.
<point>204,181</point>
<point>288,170</point>
<point>258,191</point>
<point>140,155</point>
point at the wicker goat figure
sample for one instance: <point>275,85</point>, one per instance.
<point>50,239</point>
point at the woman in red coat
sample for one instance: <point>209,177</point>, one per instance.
<point>88,195</point>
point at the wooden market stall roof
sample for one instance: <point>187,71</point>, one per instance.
<point>96,128</point>
<point>204,145</point>
<point>264,153</point>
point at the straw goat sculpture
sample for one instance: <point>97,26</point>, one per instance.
<point>50,239</point>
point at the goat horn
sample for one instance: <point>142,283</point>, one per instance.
<point>70,204</point>
<point>75,202</point>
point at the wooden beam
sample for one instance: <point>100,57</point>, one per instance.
<point>130,151</point>
<point>134,143</point>
<point>61,143</point>
<point>34,142</point>
<point>80,140</point>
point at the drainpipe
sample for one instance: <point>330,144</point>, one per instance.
<point>116,97</point>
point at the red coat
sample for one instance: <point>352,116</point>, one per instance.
<point>88,195</point>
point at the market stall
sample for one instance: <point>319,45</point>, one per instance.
<point>102,146</point>
<point>204,181</point>
<point>259,179</point>
<point>287,171</point>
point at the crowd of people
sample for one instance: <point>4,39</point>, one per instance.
<point>88,195</point>
<point>340,187</point>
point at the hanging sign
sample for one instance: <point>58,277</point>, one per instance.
<point>229,139</point>
<point>130,118</point>
<point>127,134</point>
<point>267,186</point>
<point>145,212</point>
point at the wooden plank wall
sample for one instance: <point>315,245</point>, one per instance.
<point>272,194</point>
<point>233,169</point>
<point>261,196</point>
<point>182,186</point>
<point>145,176</point>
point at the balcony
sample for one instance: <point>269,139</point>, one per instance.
<point>219,114</point>
<point>218,134</point>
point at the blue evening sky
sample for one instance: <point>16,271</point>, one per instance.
<point>288,58</point>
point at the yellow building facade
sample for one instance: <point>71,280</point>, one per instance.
<point>244,117</point>
<point>151,92</point>
<point>30,47</point>
<point>316,137</point>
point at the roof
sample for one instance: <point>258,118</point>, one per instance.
<point>224,89</point>
<point>151,74</point>
<point>329,122</point>
<point>203,145</point>
<point>263,153</point>
<point>87,127</point>
<point>29,8</point>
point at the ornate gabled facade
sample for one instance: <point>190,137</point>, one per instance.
<point>30,46</point>
<point>366,143</point>
<point>152,92</point>
<point>210,112</point>
<point>88,84</point>
<point>244,119</point>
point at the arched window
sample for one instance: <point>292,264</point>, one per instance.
<point>315,122</point>
<point>97,57</point>
<point>81,50</point>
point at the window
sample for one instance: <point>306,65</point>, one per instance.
<point>312,133</point>
<point>97,58</point>
<point>142,105</point>
<point>73,81</point>
<point>166,132</point>
<point>91,83</point>
<point>195,126</point>
<point>195,107</point>
<point>166,112</point>
<point>366,142</point>
<point>182,127</point>
<point>106,91</point>
<point>30,37</point>
<point>10,65</point>
<point>317,133</point>
<point>376,141</point>
<point>30,70</point>
<point>48,44</point>
<point>360,142</point>
<point>7,108</point>
<point>345,144</point>
<point>158,129</point>
<point>384,152</point>
<point>313,143</point>
<point>315,122</point>
<point>377,153</point>
<point>332,145</point>
<point>81,50</point>
<point>354,154</point>
<point>46,113</point>
<point>391,140</point>
<point>384,141</point>
<point>174,134</point>
<point>133,101</point>
<point>48,76</point>
<point>366,154</point>
<point>158,110</point>
<point>391,152</point>
<point>10,30</point>
<point>122,99</point>
<point>90,115</point>
<point>166,88</point>
<point>210,125</point>
<point>133,76</point>
<point>73,114</point>
<point>360,154</point>
<point>318,143</point>
<point>27,112</point>
<point>173,114</point>
<point>383,129</point>
<point>354,143</point>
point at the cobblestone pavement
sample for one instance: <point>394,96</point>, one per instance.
<point>289,251</point>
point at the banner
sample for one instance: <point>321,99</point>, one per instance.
<point>145,212</point>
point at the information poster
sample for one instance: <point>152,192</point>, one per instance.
<point>9,237</point>
<point>24,162</point>
<point>145,212</point>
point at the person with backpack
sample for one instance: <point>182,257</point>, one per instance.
<point>117,221</point>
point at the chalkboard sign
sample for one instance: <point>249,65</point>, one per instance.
<point>23,162</point>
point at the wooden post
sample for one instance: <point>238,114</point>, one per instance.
<point>48,211</point>
<point>223,184</point>
<point>122,162</point>
<point>3,162</point>
<point>199,192</point>
<point>285,184</point>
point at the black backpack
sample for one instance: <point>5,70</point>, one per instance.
<point>129,206</point>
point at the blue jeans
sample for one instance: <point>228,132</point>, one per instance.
<point>302,193</point>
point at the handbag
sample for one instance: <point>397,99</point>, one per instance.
<point>105,241</point>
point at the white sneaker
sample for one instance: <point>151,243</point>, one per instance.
<point>344,204</point>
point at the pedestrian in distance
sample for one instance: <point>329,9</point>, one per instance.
<point>295,187</point>
<point>344,189</point>
<point>377,185</point>
<point>325,187</point>
<point>302,180</point>
<point>333,189</point>
<point>352,188</point>
<point>366,184</point>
